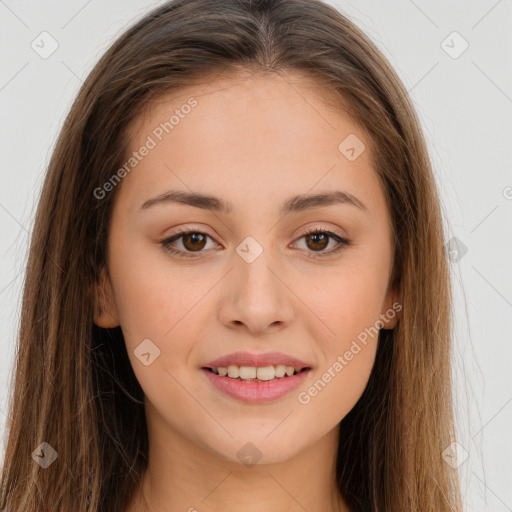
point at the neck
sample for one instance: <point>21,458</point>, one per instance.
<point>184,477</point>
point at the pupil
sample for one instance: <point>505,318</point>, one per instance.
<point>322,236</point>
<point>194,238</point>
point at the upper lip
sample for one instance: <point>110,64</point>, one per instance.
<point>252,359</point>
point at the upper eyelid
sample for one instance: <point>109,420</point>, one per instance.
<point>186,231</point>
<point>331,233</point>
<point>341,243</point>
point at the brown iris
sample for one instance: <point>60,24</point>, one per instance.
<point>194,241</point>
<point>320,241</point>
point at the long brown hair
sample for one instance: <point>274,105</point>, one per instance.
<point>73,385</point>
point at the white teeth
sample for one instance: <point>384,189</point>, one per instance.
<point>233,371</point>
<point>247,372</point>
<point>289,370</point>
<point>280,370</point>
<point>251,372</point>
<point>266,373</point>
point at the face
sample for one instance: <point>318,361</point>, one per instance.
<point>257,271</point>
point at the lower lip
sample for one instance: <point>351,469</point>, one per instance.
<point>256,392</point>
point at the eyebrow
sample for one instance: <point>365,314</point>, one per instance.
<point>294,204</point>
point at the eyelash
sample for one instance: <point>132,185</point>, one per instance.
<point>342,243</point>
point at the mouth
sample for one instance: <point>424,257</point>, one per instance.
<point>267,373</point>
<point>256,378</point>
<point>255,385</point>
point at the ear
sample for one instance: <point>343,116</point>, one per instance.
<point>392,309</point>
<point>105,312</point>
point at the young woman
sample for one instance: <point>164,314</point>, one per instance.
<point>237,295</point>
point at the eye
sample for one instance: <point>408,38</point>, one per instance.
<point>318,239</point>
<point>193,241</point>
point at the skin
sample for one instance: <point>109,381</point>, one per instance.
<point>253,140</point>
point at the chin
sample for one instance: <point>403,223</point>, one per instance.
<point>254,449</point>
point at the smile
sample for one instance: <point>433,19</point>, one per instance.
<point>255,373</point>
<point>256,384</point>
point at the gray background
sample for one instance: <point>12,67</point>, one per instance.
<point>464,101</point>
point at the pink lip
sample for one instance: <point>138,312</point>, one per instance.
<point>263,359</point>
<point>256,392</point>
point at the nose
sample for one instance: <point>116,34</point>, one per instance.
<point>257,296</point>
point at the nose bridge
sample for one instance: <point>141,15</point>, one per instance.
<point>257,281</point>
<point>258,297</point>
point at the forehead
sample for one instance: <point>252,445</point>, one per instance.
<point>243,92</point>
<point>246,83</point>
<point>250,132</point>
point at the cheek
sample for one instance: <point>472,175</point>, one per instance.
<point>338,386</point>
<point>164,303</point>
<point>345,324</point>
<point>347,300</point>
<point>153,296</point>
<point>152,305</point>
<point>347,336</point>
